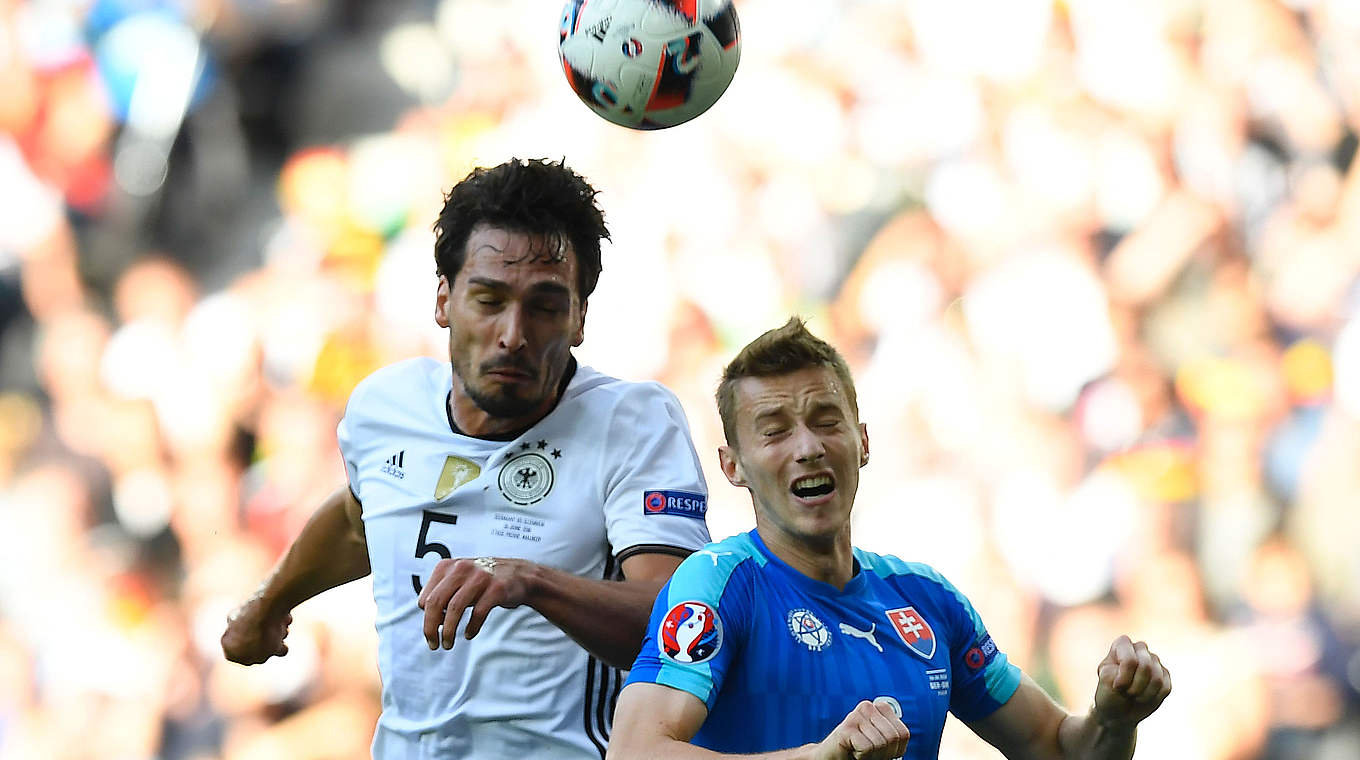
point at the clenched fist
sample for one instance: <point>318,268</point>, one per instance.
<point>872,731</point>
<point>254,635</point>
<point>1132,683</point>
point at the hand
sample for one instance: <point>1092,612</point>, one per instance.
<point>1132,684</point>
<point>254,635</point>
<point>872,731</point>
<point>482,583</point>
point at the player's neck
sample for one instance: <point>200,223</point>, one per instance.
<point>831,561</point>
<point>466,418</point>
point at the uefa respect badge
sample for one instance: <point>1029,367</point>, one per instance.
<point>682,503</point>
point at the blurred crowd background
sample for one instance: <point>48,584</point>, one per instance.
<point>1096,264</point>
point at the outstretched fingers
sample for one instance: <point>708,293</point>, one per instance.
<point>453,585</point>
<point>456,585</point>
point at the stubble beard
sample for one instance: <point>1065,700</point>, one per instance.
<point>502,405</point>
<point>497,404</point>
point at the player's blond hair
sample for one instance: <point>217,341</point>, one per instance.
<point>779,352</point>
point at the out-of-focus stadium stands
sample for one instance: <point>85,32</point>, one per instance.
<point>1096,265</point>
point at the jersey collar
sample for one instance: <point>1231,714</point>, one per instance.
<point>513,434</point>
<point>795,578</point>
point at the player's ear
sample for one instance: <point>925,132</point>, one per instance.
<point>731,466</point>
<point>580,335</point>
<point>441,302</point>
<point>863,444</point>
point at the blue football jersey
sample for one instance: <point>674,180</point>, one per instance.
<point>780,658</point>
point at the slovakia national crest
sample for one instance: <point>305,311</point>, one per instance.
<point>809,630</point>
<point>913,629</point>
<point>690,633</point>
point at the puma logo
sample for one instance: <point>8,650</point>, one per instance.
<point>713,555</point>
<point>868,635</point>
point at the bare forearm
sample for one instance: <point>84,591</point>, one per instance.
<point>674,749</point>
<point>607,618</point>
<point>1082,737</point>
<point>655,721</point>
<point>328,552</point>
<point>1131,686</point>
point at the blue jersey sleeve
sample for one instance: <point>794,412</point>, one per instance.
<point>698,623</point>
<point>982,678</point>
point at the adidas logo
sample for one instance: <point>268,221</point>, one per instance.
<point>600,29</point>
<point>393,465</point>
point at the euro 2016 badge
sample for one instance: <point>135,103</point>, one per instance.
<point>690,633</point>
<point>809,630</point>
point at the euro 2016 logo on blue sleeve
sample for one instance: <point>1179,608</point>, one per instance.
<point>690,633</point>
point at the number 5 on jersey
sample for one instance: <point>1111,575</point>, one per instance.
<point>424,546</point>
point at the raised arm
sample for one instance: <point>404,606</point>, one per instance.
<point>607,618</point>
<point>658,721</point>
<point>329,551</point>
<point>1031,726</point>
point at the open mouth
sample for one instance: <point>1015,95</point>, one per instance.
<point>813,486</point>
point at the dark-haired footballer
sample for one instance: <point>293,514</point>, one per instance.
<point>508,488</point>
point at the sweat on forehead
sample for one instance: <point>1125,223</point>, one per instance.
<point>810,386</point>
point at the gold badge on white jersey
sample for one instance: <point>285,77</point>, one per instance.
<point>457,471</point>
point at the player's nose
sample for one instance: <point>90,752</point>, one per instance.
<point>808,446</point>
<point>510,329</point>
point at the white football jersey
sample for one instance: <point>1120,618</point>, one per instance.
<point>609,472</point>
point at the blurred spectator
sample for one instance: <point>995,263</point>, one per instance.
<point>1298,651</point>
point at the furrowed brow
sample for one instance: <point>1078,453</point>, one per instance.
<point>551,289</point>
<point>488,283</point>
<point>767,415</point>
<point>826,407</point>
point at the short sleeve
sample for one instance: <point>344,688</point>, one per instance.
<point>346,438</point>
<point>983,678</point>
<point>655,495</point>
<point>697,627</point>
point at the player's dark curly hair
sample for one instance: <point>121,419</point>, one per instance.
<point>780,351</point>
<point>535,197</point>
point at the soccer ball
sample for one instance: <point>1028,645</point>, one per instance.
<point>649,64</point>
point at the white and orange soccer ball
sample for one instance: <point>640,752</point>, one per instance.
<point>649,64</point>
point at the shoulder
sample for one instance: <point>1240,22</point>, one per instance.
<point>900,571</point>
<point>400,376</point>
<point>596,389</point>
<point>919,581</point>
<point>708,572</point>
<point>397,380</point>
<point>408,394</point>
